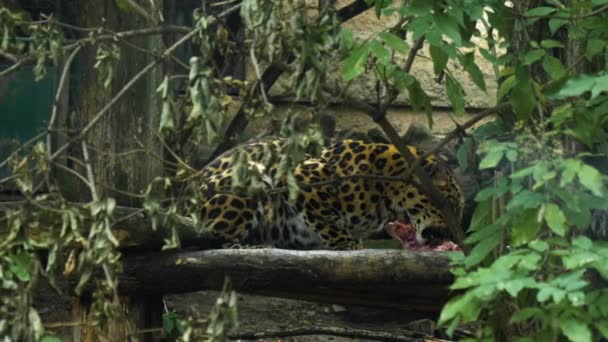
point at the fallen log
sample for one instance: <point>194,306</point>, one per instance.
<point>380,278</point>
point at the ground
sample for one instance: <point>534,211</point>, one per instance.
<point>257,313</point>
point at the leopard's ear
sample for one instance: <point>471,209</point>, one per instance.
<point>438,174</point>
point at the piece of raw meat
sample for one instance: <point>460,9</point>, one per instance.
<point>404,233</point>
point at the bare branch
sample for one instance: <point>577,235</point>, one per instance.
<point>60,87</point>
<point>8,56</point>
<point>87,164</point>
<point>21,61</point>
<point>141,11</point>
<point>15,66</point>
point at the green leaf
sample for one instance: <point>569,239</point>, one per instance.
<point>347,38</point>
<point>49,338</point>
<point>481,250</point>
<point>581,84</point>
<point>396,43</point>
<point>463,154</point>
<point>577,298</point>
<point>473,69</point>
<point>575,330</point>
<point>540,11</point>
<point>550,44</point>
<point>20,266</point>
<point>538,245</point>
<point>491,159</point>
<point>465,305</point>
<point>440,59</point>
<point>582,242</point>
<point>556,219</point>
<point>533,56</point>
<point>525,227</point>
<point>525,199</point>
<point>402,79</point>
<point>600,86</point>
<point>545,292</point>
<point>555,24</point>
<point>455,94</point>
<point>525,314</point>
<point>514,286</point>
<point>554,67</point>
<point>380,5</point>
<point>522,98</point>
<point>530,262</point>
<point>591,178</point>
<point>511,155</point>
<point>506,86</point>
<point>602,327</point>
<point>481,215</point>
<point>419,99</point>
<point>379,51</point>
<point>594,47</point>
<point>448,26</point>
<point>571,168</point>
<point>354,64</point>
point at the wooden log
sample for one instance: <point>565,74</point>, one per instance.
<point>380,278</point>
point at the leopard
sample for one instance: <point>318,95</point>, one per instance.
<point>347,193</point>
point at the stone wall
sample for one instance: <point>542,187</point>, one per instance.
<point>401,115</point>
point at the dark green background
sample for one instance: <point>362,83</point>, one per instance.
<point>25,107</point>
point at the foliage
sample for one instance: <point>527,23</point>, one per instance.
<point>532,272</point>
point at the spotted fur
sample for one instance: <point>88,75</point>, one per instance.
<point>339,202</point>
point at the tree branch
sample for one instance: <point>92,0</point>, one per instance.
<point>21,61</point>
<point>60,87</point>
<point>132,82</point>
<point>239,122</point>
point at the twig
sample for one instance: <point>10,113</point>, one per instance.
<point>407,66</point>
<point>15,66</point>
<point>256,67</point>
<point>409,61</point>
<point>458,130</point>
<point>141,11</point>
<point>87,164</point>
<point>73,172</point>
<point>125,34</point>
<point>8,56</point>
<point>60,87</point>
<point>405,336</point>
<point>62,324</point>
<point>147,331</point>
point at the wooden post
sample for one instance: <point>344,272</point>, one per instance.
<point>127,127</point>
